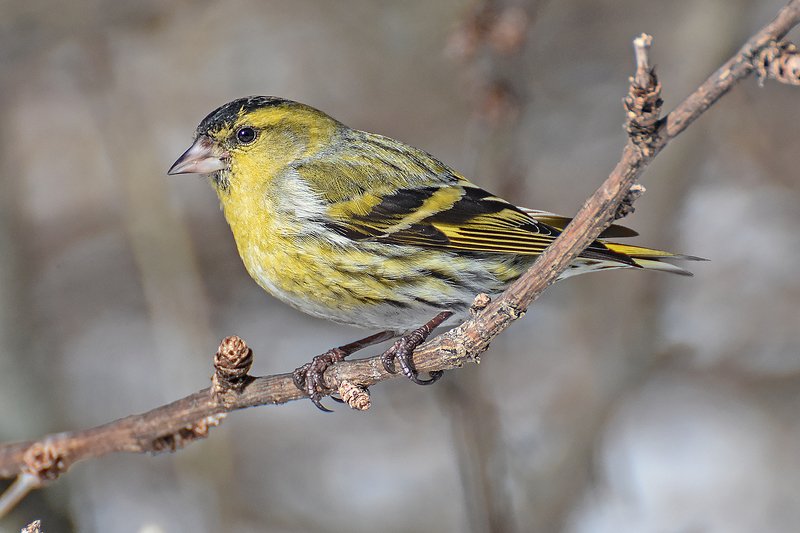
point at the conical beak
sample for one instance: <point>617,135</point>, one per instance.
<point>203,157</point>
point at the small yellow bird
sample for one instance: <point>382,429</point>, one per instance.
<point>365,230</point>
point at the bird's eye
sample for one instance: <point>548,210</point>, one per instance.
<point>246,135</point>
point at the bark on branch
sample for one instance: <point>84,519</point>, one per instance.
<point>171,426</point>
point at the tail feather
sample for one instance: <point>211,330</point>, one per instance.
<point>647,253</point>
<point>652,259</point>
<point>652,264</point>
<point>616,255</point>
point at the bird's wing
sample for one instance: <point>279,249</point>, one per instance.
<point>456,217</point>
<point>421,202</point>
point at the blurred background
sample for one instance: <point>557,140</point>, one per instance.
<point>624,401</point>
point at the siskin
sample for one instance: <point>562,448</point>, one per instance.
<point>365,230</point>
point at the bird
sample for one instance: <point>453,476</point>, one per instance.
<point>365,230</point>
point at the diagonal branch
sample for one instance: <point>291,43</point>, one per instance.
<point>171,426</point>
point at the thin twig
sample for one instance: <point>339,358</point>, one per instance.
<point>17,491</point>
<point>641,52</point>
<point>174,425</point>
<point>736,68</point>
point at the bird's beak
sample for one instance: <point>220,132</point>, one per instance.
<point>203,157</point>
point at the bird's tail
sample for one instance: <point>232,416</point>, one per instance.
<point>652,259</point>
<point>604,255</point>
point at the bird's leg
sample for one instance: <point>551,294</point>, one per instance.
<point>402,351</point>
<point>309,378</point>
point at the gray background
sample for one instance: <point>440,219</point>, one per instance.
<point>624,401</point>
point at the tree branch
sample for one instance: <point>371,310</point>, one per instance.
<point>171,426</point>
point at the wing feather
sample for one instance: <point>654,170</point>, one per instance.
<point>387,196</point>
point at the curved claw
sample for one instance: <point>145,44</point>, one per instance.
<point>404,357</point>
<point>316,401</point>
<point>402,352</point>
<point>315,382</point>
<point>434,377</point>
<point>309,377</point>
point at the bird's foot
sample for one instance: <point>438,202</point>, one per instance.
<point>310,378</point>
<point>402,351</point>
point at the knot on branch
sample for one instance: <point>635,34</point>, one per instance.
<point>479,304</point>
<point>44,461</point>
<point>356,396</point>
<point>232,362</point>
<point>185,435</point>
<point>643,101</point>
<point>779,61</point>
<point>626,208</point>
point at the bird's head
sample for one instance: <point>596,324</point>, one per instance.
<point>247,141</point>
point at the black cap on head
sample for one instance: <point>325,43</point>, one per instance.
<point>227,113</point>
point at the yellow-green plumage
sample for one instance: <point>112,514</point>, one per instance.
<point>363,229</point>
